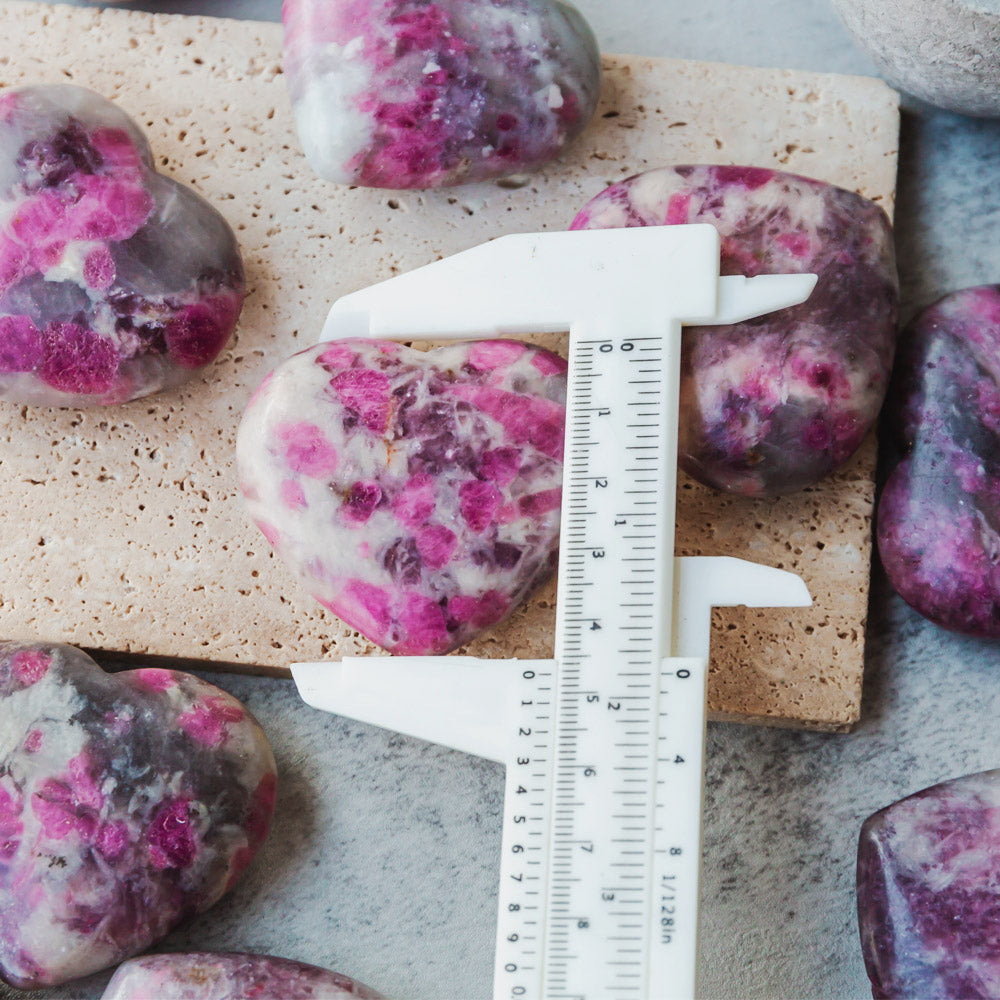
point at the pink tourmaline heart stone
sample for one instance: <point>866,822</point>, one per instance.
<point>127,803</point>
<point>229,977</point>
<point>772,405</point>
<point>418,94</point>
<point>115,281</point>
<point>939,513</point>
<point>416,494</point>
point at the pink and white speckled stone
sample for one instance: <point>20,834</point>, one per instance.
<point>416,495</point>
<point>127,803</point>
<point>939,513</point>
<point>772,405</point>
<point>929,893</point>
<point>417,94</point>
<point>203,976</point>
<point>115,281</point>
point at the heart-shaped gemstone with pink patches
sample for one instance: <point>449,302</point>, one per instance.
<point>772,405</point>
<point>426,93</point>
<point>115,281</point>
<point>416,494</point>
<point>939,513</point>
<point>127,802</point>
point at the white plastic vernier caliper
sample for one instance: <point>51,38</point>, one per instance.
<point>604,743</point>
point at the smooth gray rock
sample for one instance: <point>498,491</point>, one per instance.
<point>943,51</point>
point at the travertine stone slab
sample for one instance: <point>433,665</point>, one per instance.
<point>121,529</point>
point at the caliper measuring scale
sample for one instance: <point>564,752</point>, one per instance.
<point>603,744</point>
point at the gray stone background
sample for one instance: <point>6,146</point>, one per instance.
<point>383,858</point>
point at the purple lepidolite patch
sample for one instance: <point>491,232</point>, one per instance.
<point>772,405</point>
<point>127,803</point>
<point>929,893</point>
<point>417,495</point>
<point>939,514</point>
<point>115,281</point>
<point>418,94</point>
<point>203,976</point>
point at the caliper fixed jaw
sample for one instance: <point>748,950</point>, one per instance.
<point>562,279</point>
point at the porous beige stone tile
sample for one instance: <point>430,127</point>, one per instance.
<point>121,529</point>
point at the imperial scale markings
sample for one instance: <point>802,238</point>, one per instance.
<point>603,744</point>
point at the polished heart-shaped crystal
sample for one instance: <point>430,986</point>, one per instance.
<point>203,976</point>
<point>416,494</point>
<point>417,94</point>
<point>127,802</point>
<point>774,404</point>
<point>939,514</point>
<point>115,281</point>
<point>929,893</point>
